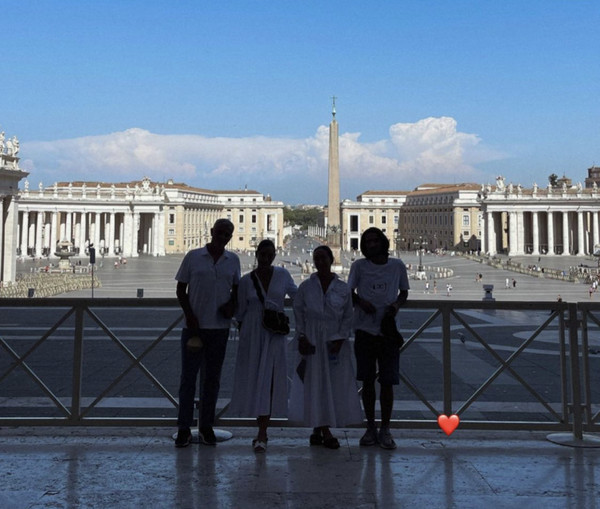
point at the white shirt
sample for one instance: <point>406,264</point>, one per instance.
<point>209,284</point>
<point>378,284</point>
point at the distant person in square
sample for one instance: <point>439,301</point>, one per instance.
<point>207,283</point>
<point>380,287</point>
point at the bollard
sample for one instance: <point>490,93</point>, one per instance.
<point>488,292</point>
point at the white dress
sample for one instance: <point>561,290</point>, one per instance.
<point>261,358</point>
<point>328,396</point>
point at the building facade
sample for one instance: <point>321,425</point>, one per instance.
<point>139,218</point>
<point>381,209</point>
<point>442,216</point>
<point>538,221</point>
<point>433,216</point>
<point>10,176</point>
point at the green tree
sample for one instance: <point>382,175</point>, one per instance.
<point>304,217</point>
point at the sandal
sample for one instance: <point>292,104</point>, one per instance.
<point>331,443</point>
<point>316,438</point>
<point>259,446</point>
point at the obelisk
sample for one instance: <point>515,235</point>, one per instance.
<point>333,196</point>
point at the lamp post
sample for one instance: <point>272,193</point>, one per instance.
<point>421,243</point>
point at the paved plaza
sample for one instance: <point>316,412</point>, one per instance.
<point>155,275</point>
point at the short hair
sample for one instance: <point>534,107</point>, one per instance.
<point>327,249</point>
<point>265,243</point>
<point>226,222</point>
<point>385,243</point>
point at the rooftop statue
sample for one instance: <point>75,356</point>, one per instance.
<point>12,146</point>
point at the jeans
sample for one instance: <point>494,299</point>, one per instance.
<point>209,361</point>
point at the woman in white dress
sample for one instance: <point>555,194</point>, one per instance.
<point>324,392</point>
<point>260,387</point>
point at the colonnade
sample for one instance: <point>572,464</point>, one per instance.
<point>553,232</point>
<point>125,233</point>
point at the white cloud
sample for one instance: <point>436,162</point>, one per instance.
<point>431,149</point>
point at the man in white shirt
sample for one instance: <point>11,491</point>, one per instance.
<point>380,286</point>
<point>207,283</point>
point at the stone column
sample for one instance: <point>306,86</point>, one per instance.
<point>62,226</point>
<point>550,224</point>
<point>24,233</point>
<point>512,234</point>
<point>39,228</point>
<point>160,233</point>
<point>53,233</point>
<point>134,234</point>
<point>566,247</point>
<point>580,234</point>
<point>482,240</point>
<point>111,235</point>
<point>491,234</point>
<point>9,228</point>
<point>4,247</point>
<point>536,234</point>
<point>82,232</point>
<point>595,239</point>
<point>127,233</point>
<point>97,228</point>
<point>520,227</point>
<point>69,226</point>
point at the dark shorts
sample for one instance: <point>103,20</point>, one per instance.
<point>376,353</point>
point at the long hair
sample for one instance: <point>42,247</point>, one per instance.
<point>385,243</point>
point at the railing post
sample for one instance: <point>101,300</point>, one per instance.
<point>447,359</point>
<point>77,362</point>
<point>575,376</point>
<point>585,371</point>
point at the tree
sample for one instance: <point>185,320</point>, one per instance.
<point>303,217</point>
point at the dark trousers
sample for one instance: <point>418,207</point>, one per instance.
<point>209,361</point>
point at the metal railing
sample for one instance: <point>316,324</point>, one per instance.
<point>497,365</point>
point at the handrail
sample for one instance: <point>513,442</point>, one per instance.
<point>53,325</point>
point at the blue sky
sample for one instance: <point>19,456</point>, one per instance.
<point>221,95</point>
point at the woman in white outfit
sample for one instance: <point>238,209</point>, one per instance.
<point>260,387</point>
<point>324,391</point>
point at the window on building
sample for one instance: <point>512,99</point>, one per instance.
<point>395,219</point>
<point>241,239</point>
<point>466,220</point>
<point>383,219</point>
<point>371,219</point>
<point>171,231</point>
<point>353,223</point>
<point>171,218</point>
<point>254,218</point>
<point>171,242</point>
<point>241,218</point>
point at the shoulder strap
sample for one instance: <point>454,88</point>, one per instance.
<point>257,287</point>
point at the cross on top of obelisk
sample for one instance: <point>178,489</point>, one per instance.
<point>333,109</point>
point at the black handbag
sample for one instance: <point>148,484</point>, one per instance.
<point>274,321</point>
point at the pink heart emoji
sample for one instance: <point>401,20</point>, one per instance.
<point>448,424</point>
